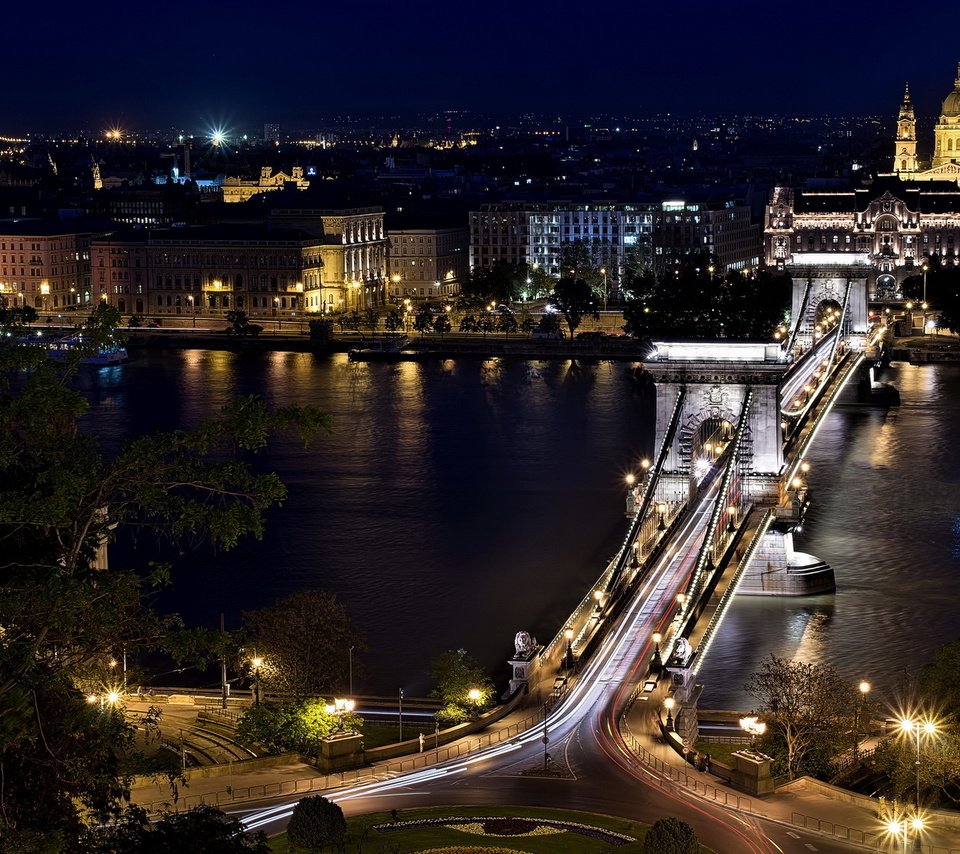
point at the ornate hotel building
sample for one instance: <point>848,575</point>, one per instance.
<point>892,225</point>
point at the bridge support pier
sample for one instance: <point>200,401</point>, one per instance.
<point>778,570</point>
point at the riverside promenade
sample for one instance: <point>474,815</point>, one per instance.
<point>805,805</point>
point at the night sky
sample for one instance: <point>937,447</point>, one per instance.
<point>242,63</point>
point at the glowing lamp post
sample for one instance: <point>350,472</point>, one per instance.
<point>864,688</point>
<point>568,635</point>
<point>257,663</point>
<point>753,726</point>
<point>657,637</point>
<point>340,708</point>
<point>668,704</point>
<point>918,728</point>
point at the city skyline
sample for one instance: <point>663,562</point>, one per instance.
<point>240,66</point>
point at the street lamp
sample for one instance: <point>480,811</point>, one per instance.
<point>340,708</point>
<point>603,272</point>
<point>568,634</point>
<point>276,311</point>
<point>731,519</point>
<point>657,663</point>
<point>193,309</point>
<point>918,728</point>
<point>864,688</point>
<point>925,268</point>
<point>661,513</point>
<point>668,704</point>
<point>754,727</point>
<point>257,663</point>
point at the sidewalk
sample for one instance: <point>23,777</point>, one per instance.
<point>803,803</point>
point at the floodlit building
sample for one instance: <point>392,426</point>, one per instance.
<point>894,225</point>
<point>427,263</point>
<point>45,264</point>
<point>239,190</point>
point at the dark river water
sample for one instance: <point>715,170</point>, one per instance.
<point>458,502</point>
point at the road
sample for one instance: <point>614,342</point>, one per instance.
<point>593,770</point>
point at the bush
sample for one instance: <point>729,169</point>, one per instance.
<point>671,836</point>
<point>316,822</point>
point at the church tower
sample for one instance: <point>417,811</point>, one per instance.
<point>946,134</point>
<point>905,156</point>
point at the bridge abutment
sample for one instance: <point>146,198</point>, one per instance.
<point>777,569</point>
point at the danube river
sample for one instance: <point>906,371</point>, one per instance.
<point>458,502</point>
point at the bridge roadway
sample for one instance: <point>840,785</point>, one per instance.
<point>597,770</point>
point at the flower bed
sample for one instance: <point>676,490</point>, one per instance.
<point>509,826</point>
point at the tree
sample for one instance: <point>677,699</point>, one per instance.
<point>316,822</point>
<point>304,641</point>
<point>809,705</point>
<point>550,325</point>
<point>351,321</point>
<point>468,323</point>
<point>461,684</point>
<point>499,283</point>
<point>371,319</point>
<point>280,727</point>
<point>238,320</point>
<point>527,325</point>
<point>574,299</point>
<point>423,321</point>
<point>506,322</point>
<point>203,828</point>
<point>940,679</point>
<point>441,324</point>
<point>939,766</point>
<point>671,836</point>
<point>393,321</point>
<point>63,614</point>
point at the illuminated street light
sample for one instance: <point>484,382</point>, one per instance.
<point>657,662</point>
<point>474,695</point>
<point>754,727</point>
<point>340,708</point>
<point>668,704</point>
<point>257,663</point>
<point>864,688</point>
<point>568,634</point>
<point>918,727</point>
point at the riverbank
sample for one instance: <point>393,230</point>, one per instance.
<point>420,349</point>
<point>942,347</point>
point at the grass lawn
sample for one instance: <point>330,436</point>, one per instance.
<point>360,829</point>
<point>377,735</point>
<point>720,752</point>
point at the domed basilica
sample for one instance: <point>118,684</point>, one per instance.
<point>945,165</point>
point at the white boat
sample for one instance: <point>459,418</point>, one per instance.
<point>109,354</point>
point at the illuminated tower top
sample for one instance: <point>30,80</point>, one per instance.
<point>905,152</point>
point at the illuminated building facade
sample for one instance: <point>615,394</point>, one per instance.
<point>945,163</point>
<point>44,264</point>
<point>239,190</point>
<point>427,263</point>
<point>353,251</point>
<point>893,224</point>
<point>657,234</point>
<point>207,270</point>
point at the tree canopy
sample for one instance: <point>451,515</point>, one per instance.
<point>63,612</point>
<point>316,823</point>
<point>304,641</point>
<point>809,706</point>
<point>462,685</point>
<point>693,301</point>
<point>574,299</point>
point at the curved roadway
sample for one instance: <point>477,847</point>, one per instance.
<point>592,769</point>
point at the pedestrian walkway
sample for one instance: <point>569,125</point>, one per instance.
<point>803,804</point>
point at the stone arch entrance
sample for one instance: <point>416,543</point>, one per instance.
<point>826,315</point>
<point>886,287</point>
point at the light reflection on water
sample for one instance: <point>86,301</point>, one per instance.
<point>886,494</point>
<point>457,502</point>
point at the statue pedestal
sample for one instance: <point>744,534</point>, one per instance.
<point>686,695</point>
<point>751,772</point>
<point>524,670</point>
<point>339,751</point>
